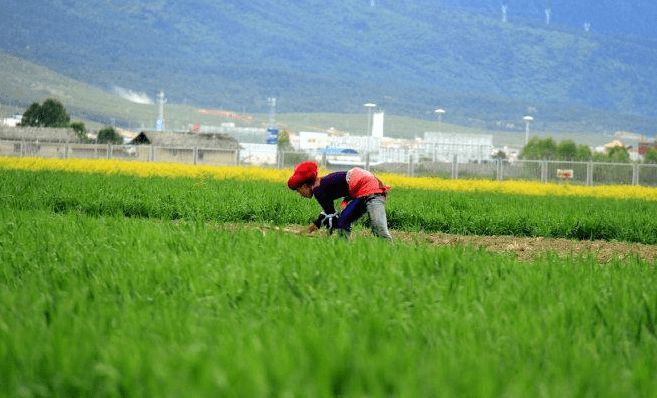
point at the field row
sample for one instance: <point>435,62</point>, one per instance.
<point>233,199</point>
<point>151,169</point>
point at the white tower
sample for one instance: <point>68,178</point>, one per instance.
<point>527,119</point>
<point>504,8</point>
<point>377,124</point>
<point>159,123</point>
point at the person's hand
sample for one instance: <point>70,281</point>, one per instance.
<point>312,228</point>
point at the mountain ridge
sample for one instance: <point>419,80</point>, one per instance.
<point>409,57</point>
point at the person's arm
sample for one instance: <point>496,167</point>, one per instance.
<point>333,186</point>
<point>325,200</point>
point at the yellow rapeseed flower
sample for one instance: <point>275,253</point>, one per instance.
<point>522,187</point>
<point>252,173</point>
<point>143,169</point>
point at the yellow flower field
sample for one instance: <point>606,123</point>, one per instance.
<point>143,169</point>
<point>522,187</point>
<point>149,169</point>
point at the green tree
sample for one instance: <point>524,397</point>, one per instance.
<point>584,153</point>
<point>109,135</point>
<point>31,115</point>
<point>286,152</point>
<point>51,114</point>
<point>54,114</point>
<point>567,150</point>
<point>540,149</point>
<point>80,131</point>
<point>284,144</point>
<point>500,155</point>
<point>618,154</point>
<point>600,157</point>
<point>650,156</point>
<point>547,149</point>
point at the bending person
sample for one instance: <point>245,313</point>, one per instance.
<point>360,190</point>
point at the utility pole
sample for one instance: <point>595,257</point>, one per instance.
<point>440,119</point>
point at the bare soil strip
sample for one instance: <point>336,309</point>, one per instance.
<point>523,248</point>
<point>528,248</point>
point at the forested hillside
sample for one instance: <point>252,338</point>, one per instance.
<point>408,56</point>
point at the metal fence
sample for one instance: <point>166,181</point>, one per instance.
<point>580,173</point>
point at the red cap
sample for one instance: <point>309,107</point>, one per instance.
<point>303,172</point>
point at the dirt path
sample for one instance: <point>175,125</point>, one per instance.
<point>523,248</point>
<point>527,249</point>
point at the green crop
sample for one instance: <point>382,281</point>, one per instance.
<point>107,305</point>
<point>235,201</point>
<point>123,286</point>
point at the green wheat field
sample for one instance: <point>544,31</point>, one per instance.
<point>120,286</point>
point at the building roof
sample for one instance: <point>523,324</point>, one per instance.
<point>42,134</point>
<point>187,140</point>
<point>614,144</point>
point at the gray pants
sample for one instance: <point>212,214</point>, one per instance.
<point>375,207</point>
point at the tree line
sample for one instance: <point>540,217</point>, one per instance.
<point>53,114</point>
<point>567,150</point>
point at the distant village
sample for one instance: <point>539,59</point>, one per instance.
<point>337,146</point>
<point>257,146</point>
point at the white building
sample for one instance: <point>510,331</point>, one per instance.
<point>13,120</point>
<point>312,141</point>
<point>361,143</point>
<point>466,147</point>
<point>258,154</point>
<point>377,124</point>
